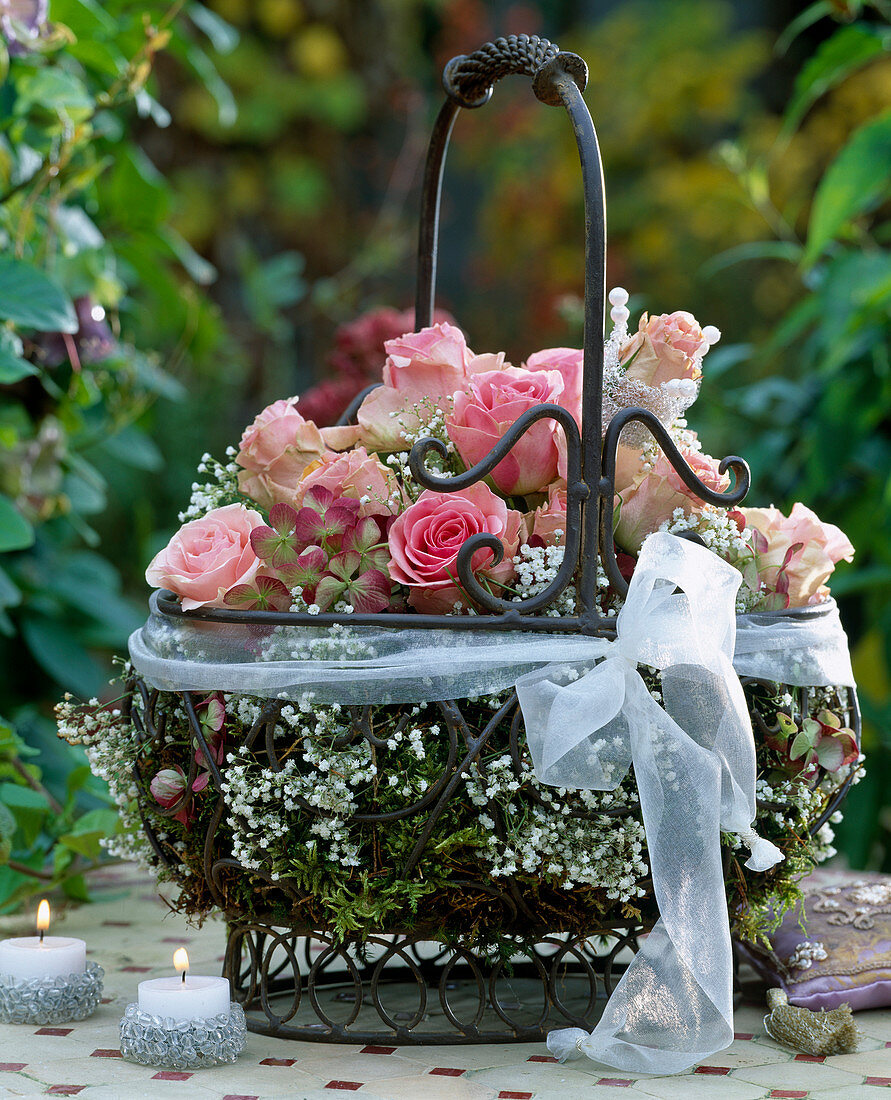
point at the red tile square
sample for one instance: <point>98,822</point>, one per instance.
<point>11,1067</point>
<point>714,1071</point>
<point>810,1058</point>
<point>278,1061</point>
<point>540,1058</point>
<point>878,1080</point>
<point>616,1082</point>
<point>106,1054</point>
<point>514,1096</point>
<point>790,1094</point>
<point>345,1086</point>
<point>65,1090</point>
<point>742,1035</point>
<point>377,1050</point>
<point>55,1031</point>
<point>444,1071</point>
<point>171,1075</point>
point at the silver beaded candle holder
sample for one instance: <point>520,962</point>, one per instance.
<point>57,1000</point>
<point>182,1044</point>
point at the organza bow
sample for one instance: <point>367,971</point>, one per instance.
<point>694,763</point>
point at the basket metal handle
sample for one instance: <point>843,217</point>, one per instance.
<point>558,79</point>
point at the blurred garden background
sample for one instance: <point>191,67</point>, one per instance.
<point>196,197</point>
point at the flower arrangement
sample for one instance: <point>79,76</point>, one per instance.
<point>300,518</point>
<point>305,518</point>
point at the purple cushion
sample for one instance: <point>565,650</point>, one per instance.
<point>845,953</point>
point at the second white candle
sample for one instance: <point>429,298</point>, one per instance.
<point>187,997</point>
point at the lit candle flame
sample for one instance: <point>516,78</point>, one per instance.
<point>43,917</point>
<point>181,961</point>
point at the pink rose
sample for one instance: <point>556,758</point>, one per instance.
<point>355,474</point>
<point>548,522</point>
<point>568,361</point>
<point>488,406</point>
<point>821,546</point>
<point>423,368</point>
<point>653,495</point>
<point>669,346</point>
<point>275,450</point>
<point>424,543</point>
<point>208,556</point>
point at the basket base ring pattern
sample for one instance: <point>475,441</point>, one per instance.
<point>407,990</point>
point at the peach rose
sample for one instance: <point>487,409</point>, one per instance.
<point>653,496</point>
<point>422,368</point>
<point>275,450</point>
<point>669,346</point>
<point>355,474</point>
<point>568,361</point>
<point>547,524</point>
<point>821,546</point>
<point>208,556</point>
<point>424,543</point>
<point>488,407</point>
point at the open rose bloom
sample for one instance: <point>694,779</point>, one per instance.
<point>333,519</point>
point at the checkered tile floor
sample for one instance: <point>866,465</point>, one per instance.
<point>132,934</point>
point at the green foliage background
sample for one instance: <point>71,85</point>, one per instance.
<point>230,180</point>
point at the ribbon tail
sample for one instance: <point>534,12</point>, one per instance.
<point>567,1044</point>
<point>673,1006</point>
<point>764,854</point>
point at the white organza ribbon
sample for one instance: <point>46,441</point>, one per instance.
<point>694,763</point>
<point>588,717</point>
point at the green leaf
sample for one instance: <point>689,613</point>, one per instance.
<point>16,533</point>
<point>90,829</point>
<point>752,250</point>
<point>12,367</point>
<point>76,888</point>
<point>133,448</point>
<point>84,17</point>
<point>77,778</point>
<point>7,821</point>
<point>32,299</point>
<point>807,18</point>
<point>28,807</point>
<point>56,90</point>
<point>15,886</point>
<point>148,107</point>
<point>62,860</point>
<point>148,374</point>
<point>78,230</point>
<point>850,48</point>
<point>59,653</point>
<point>203,272</point>
<point>856,180</point>
<point>223,37</point>
<point>10,596</point>
<point>206,71</point>
<point>13,745</point>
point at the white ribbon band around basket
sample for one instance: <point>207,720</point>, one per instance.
<point>588,716</point>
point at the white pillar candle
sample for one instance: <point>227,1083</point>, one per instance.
<point>186,997</point>
<point>27,957</point>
